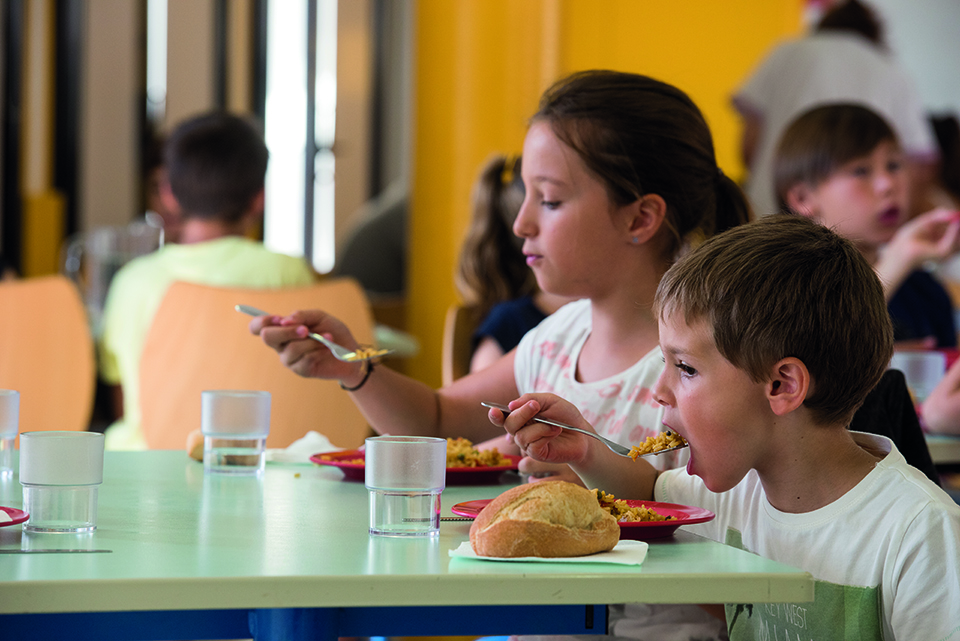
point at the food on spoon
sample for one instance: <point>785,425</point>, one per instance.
<point>544,519</point>
<point>662,441</point>
<point>623,513</point>
<point>364,353</point>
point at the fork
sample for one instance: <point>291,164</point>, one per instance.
<point>339,352</point>
<point>616,448</point>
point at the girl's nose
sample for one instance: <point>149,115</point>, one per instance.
<point>524,225</point>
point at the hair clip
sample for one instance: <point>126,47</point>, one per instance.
<point>509,167</point>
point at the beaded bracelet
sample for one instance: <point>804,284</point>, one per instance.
<point>363,381</point>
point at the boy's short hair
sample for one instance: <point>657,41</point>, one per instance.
<point>822,139</point>
<point>786,286</point>
<point>216,165</point>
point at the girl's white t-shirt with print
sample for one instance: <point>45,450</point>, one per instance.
<point>621,407</point>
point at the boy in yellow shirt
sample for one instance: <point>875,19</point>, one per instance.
<point>216,164</point>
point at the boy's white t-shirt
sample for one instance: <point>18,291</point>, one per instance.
<point>885,556</point>
<point>621,407</point>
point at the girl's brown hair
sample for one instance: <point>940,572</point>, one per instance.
<point>642,136</point>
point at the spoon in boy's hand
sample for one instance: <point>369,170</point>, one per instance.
<point>616,448</point>
<point>339,352</point>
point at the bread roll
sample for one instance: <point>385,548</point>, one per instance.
<point>547,519</point>
<point>195,445</point>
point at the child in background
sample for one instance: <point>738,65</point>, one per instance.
<point>215,167</point>
<point>493,277</point>
<point>841,164</point>
<point>773,334</point>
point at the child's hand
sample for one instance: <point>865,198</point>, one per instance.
<point>941,410</point>
<point>934,235</point>
<point>289,337</point>
<point>542,442</point>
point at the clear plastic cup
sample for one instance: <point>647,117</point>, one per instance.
<point>405,476</point>
<point>60,473</point>
<point>235,425</point>
<point>922,369</point>
<point>9,426</point>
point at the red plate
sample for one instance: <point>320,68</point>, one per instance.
<point>637,530</point>
<point>18,516</point>
<point>455,475</point>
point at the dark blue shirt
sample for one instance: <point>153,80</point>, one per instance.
<point>922,308</point>
<point>507,322</point>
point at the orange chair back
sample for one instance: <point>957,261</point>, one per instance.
<point>46,353</point>
<point>198,342</point>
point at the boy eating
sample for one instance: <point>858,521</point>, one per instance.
<point>773,334</point>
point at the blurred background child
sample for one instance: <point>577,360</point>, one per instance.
<point>842,165</point>
<point>215,167</point>
<point>493,277</point>
<point>844,59</point>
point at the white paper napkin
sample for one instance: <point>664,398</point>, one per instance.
<point>626,552</point>
<point>302,449</point>
<point>4,517</point>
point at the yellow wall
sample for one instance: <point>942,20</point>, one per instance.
<point>481,65</point>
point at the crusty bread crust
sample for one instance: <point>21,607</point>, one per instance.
<point>546,519</point>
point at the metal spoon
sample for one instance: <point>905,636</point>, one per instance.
<point>339,352</point>
<point>616,448</point>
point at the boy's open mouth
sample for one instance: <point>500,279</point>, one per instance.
<point>890,216</point>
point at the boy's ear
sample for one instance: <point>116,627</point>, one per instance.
<point>788,385</point>
<point>166,194</point>
<point>800,199</point>
<point>646,217</point>
<point>256,205</point>
<point>255,208</point>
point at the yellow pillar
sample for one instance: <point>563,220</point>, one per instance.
<point>43,206</point>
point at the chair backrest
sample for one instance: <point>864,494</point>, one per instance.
<point>197,341</point>
<point>46,353</point>
<point>458,329</point>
